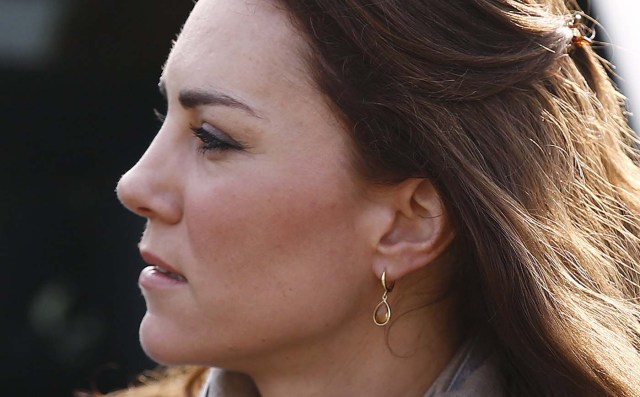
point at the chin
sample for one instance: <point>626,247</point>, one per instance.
<point>172,343</point>
<point>163,343</point>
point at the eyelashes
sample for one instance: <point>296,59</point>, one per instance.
<point>211,138</point>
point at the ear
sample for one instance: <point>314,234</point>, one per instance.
<point>419,232</point>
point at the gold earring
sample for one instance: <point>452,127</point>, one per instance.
<point>382,312</point>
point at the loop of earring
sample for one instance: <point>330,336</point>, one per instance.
<point>382,312</point>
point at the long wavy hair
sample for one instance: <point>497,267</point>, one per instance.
<point>521,130</point>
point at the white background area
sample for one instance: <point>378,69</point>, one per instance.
<point>621,20</point>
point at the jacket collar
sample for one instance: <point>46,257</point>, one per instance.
<point>473,371</point>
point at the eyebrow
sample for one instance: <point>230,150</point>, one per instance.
<point>192,98</point>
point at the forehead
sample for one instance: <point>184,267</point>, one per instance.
<point>237,44</point>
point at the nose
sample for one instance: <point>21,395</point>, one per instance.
<point>151,187</point>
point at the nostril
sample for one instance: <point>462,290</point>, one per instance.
<point>144,211</point>
<point>133,198</point>
<point>131,195</point>
<point>150,196</point>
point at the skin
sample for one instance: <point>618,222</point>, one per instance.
<point>281,241</point>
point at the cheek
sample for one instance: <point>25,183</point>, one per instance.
<point>268,223</point>
<point>276,252</point>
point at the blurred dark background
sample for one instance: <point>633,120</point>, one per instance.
<point>78,84</point>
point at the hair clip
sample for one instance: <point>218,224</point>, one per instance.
<point>581,34</point>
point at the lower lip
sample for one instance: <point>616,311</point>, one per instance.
<point>151,278</point>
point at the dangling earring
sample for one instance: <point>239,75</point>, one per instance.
<point>382,312</point>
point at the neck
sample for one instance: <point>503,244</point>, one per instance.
<point>402,359</point>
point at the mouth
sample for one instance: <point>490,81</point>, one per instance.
<point>162,268</point>
<point>171,275</point>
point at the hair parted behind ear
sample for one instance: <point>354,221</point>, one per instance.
<point>530,150</point>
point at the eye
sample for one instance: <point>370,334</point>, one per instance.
<point>213,139</point>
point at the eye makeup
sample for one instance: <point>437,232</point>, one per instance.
<point>214,139</point>
<point>211,138</point>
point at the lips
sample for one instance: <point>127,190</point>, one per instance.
<point>162,267</point>
<point>174,276</point>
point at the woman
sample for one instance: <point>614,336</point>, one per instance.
<point>391,198</point>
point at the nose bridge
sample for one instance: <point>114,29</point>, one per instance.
<point>151,188</point>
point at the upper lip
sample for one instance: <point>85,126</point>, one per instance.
<point>152,259</point>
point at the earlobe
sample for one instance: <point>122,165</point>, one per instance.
<point>420,232</point>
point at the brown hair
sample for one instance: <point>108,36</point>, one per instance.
<point>529,146</point>
<point>532,153</point>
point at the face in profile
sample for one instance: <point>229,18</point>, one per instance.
<point>251,199</point>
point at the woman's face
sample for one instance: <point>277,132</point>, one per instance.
<point>259,209</point>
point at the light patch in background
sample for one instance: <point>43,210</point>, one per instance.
<point>29,31</point>
<point>69,335</point>
<point>621,29</point>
